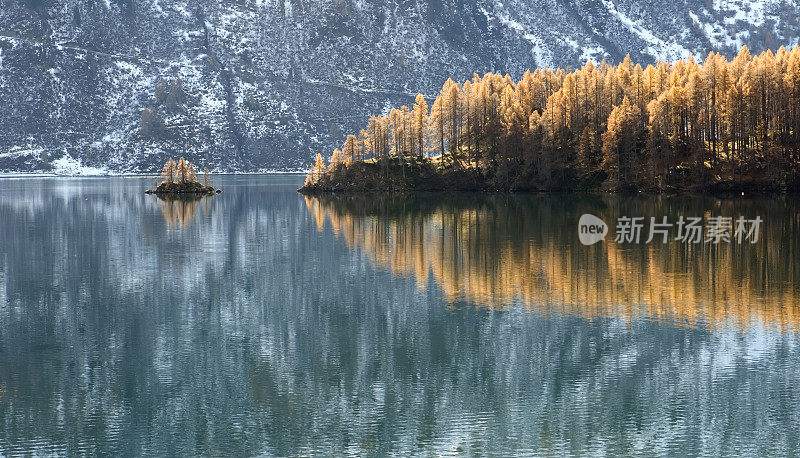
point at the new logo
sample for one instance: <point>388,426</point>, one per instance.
<point>591,229</point>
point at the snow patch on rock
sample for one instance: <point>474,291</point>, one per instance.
<point>68,165</point>
<point>657,47</point>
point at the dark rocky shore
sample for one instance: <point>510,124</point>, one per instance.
<point>192,187</point>
<point>423,175</point>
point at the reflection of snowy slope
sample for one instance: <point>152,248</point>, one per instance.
<point>250,300</point>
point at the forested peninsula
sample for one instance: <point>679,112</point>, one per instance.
<point>717,126</point>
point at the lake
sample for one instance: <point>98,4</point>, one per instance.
<point>263,322</point>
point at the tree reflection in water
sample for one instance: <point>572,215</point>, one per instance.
<point>249,332</point>
<point>181,209</point>
<point>498,250</point>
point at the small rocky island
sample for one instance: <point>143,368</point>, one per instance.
<point>180,178</point>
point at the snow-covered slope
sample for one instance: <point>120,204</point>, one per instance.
<point>258,84</point>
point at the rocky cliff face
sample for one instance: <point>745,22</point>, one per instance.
<point>246,85</point>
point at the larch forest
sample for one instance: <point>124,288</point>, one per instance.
<point>720,125</point>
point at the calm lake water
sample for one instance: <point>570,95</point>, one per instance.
<point>261,322</point>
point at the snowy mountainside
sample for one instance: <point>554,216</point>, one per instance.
<point>246,85</point>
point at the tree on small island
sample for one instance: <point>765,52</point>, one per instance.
<point>180,178</point>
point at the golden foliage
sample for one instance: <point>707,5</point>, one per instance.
<point>725,116</point>
<point>169,171</point>
<point>182,171</point>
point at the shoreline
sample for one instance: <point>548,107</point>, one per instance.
<point>14,175</point>
<point>719,194</point>
<point>422,177</point>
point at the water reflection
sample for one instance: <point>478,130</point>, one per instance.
<point>494,251</point>
<point>181,209</point>
<point>250,332</point>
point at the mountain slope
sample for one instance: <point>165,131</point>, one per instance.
<point>120,85</point>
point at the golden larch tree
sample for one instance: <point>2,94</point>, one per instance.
<point>169,171</point>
